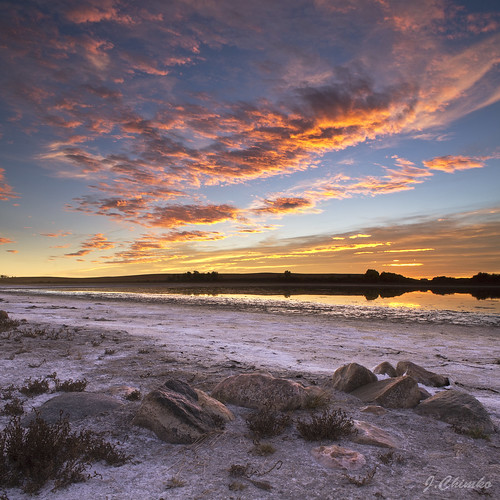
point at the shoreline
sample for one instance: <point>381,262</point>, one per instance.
<point>204,345</point>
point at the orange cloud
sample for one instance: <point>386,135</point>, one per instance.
<point>59,234</point>
<point>12,251</point>
<point>452,163</point>
<point>5,241</point>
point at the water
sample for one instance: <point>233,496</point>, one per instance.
<point>414,306</point>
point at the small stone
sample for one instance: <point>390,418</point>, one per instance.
<point>374,409</point>
<point>337,457</point>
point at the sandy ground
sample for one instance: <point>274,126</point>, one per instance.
<point>116,344</point>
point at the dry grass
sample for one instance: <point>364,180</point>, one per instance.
<point>330,424</point>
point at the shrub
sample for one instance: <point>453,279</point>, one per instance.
<point>13,408</point>
<point>135,395</point>
<point>267,423</point>
<point>32,456</point>
<point>330,424</point>
<point>70,385</point>
<point>35,387</point>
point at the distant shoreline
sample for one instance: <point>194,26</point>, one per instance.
<point>264,286</point>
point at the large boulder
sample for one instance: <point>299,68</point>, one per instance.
<point>366,433</point>
<point>257,390</point>
<point>385,368</point>
<point>337,457</point>
<point>421,375</point>
<point>75,406</point>
<point>459,409</point>
<point>399,392</point>
<point>349,377</point>
<point>176,413</point>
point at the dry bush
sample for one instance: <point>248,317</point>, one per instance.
<point>41,452</point>
<point>70,385</point>
<point>263,449</point>
<point>13,408</point>
<point>135,395</point>
<point>330,424</point>
<point>34,387</point>
<point>362,480</point>
<point>267,422</point>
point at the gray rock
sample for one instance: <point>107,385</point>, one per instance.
<point>349,377</point>
<point>421,375</point>
<point>457,408</point>
<point>173,412</point>
<point>255,390</point>
<point>75,406</point>
<point>385,368</point>
<point>400,392</point>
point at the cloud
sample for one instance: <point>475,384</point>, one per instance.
<point>6,191</point>
<point>5,241</point>
<point>96,242</point>
<point>12,251</point>
<point>59,234</point>
<point>452,163</point>
<point>181,215</point>
<point>283,205</point>
<point>156,248</point>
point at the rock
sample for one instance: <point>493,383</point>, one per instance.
<point>421,375</point>
<point>385,368</point>
<point>374,409</point>
<point>255,390</point>
<point>3,316</point>
<point>336,457</point>
<point>424,394</point>
<point>175,414</point>
<point>399,392</point>
<point>457,408</point>
<point>76,406</point>
<point>349,377</point>
<point>213,407</point>
<point>370,434</point>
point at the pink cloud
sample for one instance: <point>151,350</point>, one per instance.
<point>6,191</point>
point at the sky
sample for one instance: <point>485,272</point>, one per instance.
<point>315,136</point>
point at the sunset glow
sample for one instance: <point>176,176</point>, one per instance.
<point>305,135</point>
